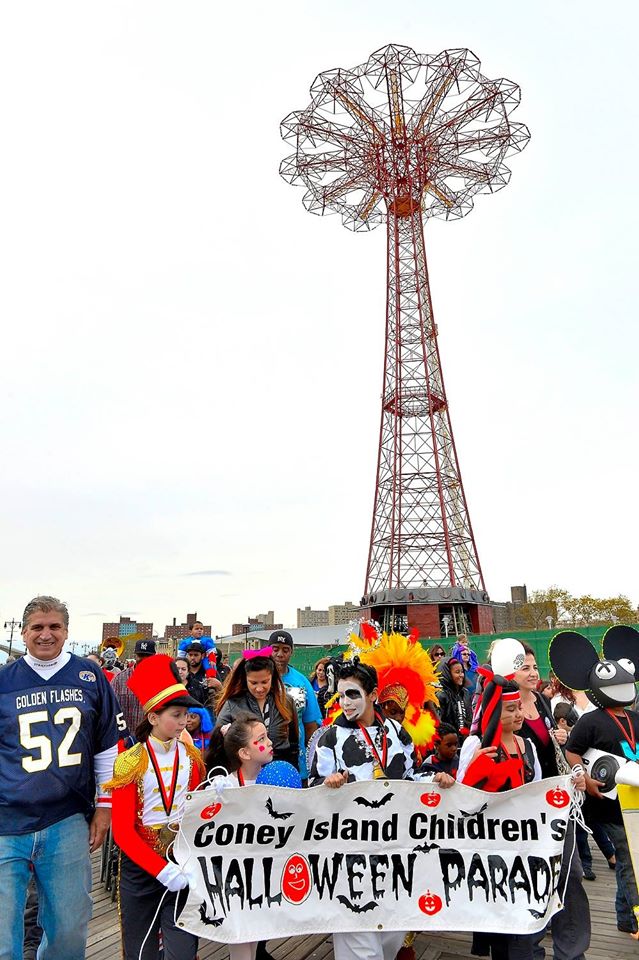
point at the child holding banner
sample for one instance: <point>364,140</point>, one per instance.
<point>361,744</point>
<point>501,760</point>
<point>149,785</point>
<point>242,747</point>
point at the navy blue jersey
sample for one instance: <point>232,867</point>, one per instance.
<point>50,731</point>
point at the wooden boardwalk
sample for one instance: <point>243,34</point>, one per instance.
<point>607,943</point>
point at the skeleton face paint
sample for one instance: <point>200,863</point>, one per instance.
<point>352,698</point>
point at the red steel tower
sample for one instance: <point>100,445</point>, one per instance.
<point>402,138</point>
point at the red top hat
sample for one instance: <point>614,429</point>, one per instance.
<point>154,684</point>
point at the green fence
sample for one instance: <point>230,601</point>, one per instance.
<point>305,658</point>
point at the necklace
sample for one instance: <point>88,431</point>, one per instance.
<point>504,747</point>
<point>167,796</point>
<point>379,763</point>
<point>628,735</point>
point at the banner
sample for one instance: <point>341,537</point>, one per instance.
<point>380,855</point>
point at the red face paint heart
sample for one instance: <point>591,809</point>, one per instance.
<point>209,812</point>
<point>430,903</point>
<point>430,799</point>
<point>558,798</point>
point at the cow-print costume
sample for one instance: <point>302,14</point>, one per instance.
<point>342,747</point>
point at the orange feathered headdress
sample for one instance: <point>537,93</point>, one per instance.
<point>402,661</point>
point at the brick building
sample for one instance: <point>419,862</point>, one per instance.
<point>263,621</point>
<point>312,618</point>
<point>342,613</point>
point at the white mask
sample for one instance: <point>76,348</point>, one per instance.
<point>352,698</point>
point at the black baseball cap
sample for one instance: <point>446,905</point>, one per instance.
<point>281,636</point>
<point>196,647</point>
<point>146,648</point>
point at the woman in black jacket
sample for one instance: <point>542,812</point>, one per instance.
<point>255,686</point>
<point>538,718</point>
<point>455,700</point>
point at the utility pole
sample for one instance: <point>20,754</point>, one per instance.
<point>11,625</point>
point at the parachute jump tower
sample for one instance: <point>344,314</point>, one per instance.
<point>399,139</point>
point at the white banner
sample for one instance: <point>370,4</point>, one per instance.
<point>381,855</point>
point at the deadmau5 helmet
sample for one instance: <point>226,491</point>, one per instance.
<point>608,681</point>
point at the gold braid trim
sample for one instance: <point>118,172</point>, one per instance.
<point>195,757</point>
<point>128,767</point>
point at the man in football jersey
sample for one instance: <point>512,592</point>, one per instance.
<point>59,728</point>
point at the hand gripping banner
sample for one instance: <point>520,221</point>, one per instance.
<point>381,855</point>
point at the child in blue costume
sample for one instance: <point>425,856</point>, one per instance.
<point>209,661</point>
<point>199,725</point>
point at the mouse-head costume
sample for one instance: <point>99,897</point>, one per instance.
<point>606,740</point>
<point>609,680</point>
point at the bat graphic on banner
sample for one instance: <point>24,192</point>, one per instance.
<point>373,804</point>
<point>466,813</point>
<point>209,921</point>
<point>274,813</point>
<point>371,905</point>
<point>425,847</point>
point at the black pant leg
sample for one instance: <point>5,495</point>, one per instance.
<point>571,926</point>
<point>139,898</point>
<point>499,946</point>
<point>584,848</point>
<point>480,946</point>
<point>178,944</point>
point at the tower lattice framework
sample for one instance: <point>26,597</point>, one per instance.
<point>402,138</point>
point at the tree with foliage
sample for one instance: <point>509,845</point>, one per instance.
<point>581,611</point>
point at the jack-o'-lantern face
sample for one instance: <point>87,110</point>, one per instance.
<point>430,903</point>
<point>430,799</point>
<point>296,879</point>
<point>558,798</point>
<point>211,811</point>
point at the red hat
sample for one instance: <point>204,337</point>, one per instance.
<point>155,685</point>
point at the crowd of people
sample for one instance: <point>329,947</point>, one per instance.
<point>86,742</point>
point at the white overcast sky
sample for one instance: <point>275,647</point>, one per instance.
<point>191,364</point>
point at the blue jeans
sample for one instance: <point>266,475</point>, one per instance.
<point>627,896</point>
<point>602,840</point>
<point>59,855</point>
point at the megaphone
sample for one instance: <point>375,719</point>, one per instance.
<point>610,771</point>
<point>628,774</point>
